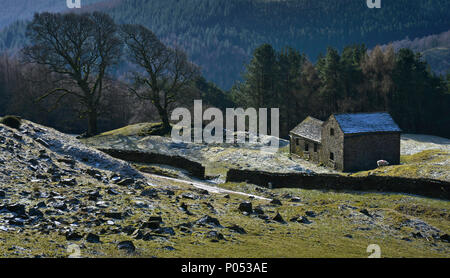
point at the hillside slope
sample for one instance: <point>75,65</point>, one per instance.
<point>220,35</point>
<point>58,196</point>
<point>434,48</point>
<point>13,10</point>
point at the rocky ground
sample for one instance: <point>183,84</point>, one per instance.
<point>416,143</point>
<point>421,155</point>
<point>60,198</point>
<point>216,157</point>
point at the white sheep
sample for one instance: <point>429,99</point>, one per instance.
<point>381,163</point>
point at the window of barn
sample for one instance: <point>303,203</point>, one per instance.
<point>306,147</point>
<point>331,131</point>
<point>297,142</point>
<point>332,156</point>
<point>315,147</point>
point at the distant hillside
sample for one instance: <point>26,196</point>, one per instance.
<point>220,35</point>
<point>435,50</point>
<point>13,10</point>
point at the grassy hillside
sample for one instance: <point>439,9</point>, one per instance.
<point>220,35</point>
<point>433,164</point>
<point>95,203</point>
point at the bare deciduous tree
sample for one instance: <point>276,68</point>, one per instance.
<point>166,74</point>
<point>79,49</point>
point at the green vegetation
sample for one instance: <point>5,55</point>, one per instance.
<point>426,164</point>
<point>11,121</point>
<point>157,170</point>
<point>140,129</point>
<point>340,224</point>
<point>221,35</point>
<point>435,49</point>
<point>347,82</point>
<point>217,36</point>
<point>327,236</point>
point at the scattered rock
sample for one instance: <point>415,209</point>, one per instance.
<point>16,221</point>
<point>258,210</point>
<point>165,230</point>
<point>208,220</point>
<point>417,235</point>
<point>215,236</point>
<point>69,182</point>
<point>189,196</point>
<point>73,236</point>
<point>151,225</point>
<point>445,238</point>
<point>42,142</point>
<point>304,220</point>
<point>276,202</point>
<point>296,199</point>
<point>278,218</point>
<point>126,182</point>
<point>112,191</point>
<point>184,208</point>
<point>301,219</point>
<point>35,212</point>
<point>365,212</point>
<point>245,207</point>
<point>185,227</point>
<point>169,192</point>
<point>94,196</point>
<point>310,213</point>
<point>17,209</point>
<point>94,173</point>
<point>126,245</point>
<point>114,215</point>
<point>92,238</point>
<point>67,160</point>
<point>152,193</point>
<point>60,206</point>
<point>129,230</point>
<point>237,229</point>
<point>2,194</point>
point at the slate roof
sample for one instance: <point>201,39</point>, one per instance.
<point>366,123</point>
<point>310,128</point>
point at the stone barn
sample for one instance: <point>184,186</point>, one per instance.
<point>306,139</point>
<point>348,142</point>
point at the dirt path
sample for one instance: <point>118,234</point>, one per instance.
<point>205,186</point>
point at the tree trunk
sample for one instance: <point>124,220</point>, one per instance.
<point>163,114</point>
<point>165,121</point>
<point>92,123</point>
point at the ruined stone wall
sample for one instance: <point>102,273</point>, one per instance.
<point>424,187</point>
<point>194,168</point>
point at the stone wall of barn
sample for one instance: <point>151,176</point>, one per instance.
<point>314,148</point>
<point>362,151</point>
<point>332,144</point>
